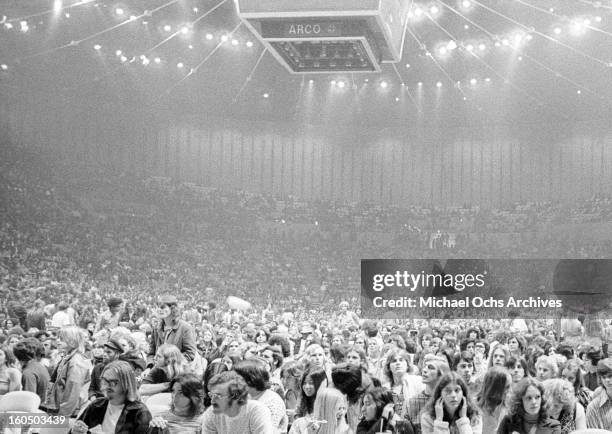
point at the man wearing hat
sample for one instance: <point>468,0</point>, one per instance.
<point>112,351</point>
<point>173,330</point>
<point>599,411</point>
<point>110,318</point>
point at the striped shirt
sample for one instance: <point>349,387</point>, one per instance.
<point>599,411</point>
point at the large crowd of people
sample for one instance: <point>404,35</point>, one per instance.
<point>114,312</point>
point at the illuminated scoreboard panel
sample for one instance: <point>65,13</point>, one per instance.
<point>315,36</point>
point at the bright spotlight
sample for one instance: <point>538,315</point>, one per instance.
<point>384,84</point>
<point>341,84</point>
<point>439,84</point>
<point>167,28</point>
<point>249,44</point>
<point>209,36</point>
<point>119,11</point>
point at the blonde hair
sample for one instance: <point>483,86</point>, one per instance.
<point>325,408</point>
<point>74,337</point>
<point>549,361</point>
<point>559,391</point>
<point>127,378</point>
<point>175,361</point>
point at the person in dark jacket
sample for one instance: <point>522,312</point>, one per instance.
<point>173,330</point>
<point>112,351</point>
<point>119,411</point>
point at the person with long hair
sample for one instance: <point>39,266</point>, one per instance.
<point>290,376</point>
<point>546,368</point>
<point>120,411</point>
<point>10,377</point>
<point>329,413</point>
<point>313,379</point>
<point>207,345</point>
<point>186,408</point>
<point>357,357</point>
<point>562,405</point>
<point>377,411</point>
<point>490,400</point>
<point>516,345</point>
<point>169,364</point>
<point>527,411</point>
<point>434,367</point>
<point>573,373</point>
<point>518,368</point>
<point>450,409</point>
<point>399,381</point>
<point>352,381</point>
<point>70,374</point>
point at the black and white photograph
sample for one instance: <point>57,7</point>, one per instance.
<point>305,216</point>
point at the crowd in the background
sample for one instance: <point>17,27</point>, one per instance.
<point>114,308</point>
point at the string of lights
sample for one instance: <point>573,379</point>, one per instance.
<point>416,104</point>
<point>249,77</point>
<point>199,65</point>
<point>544,35</point>
<point>545,67</point>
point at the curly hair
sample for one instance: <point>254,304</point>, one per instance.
<point>193,389</point>
<point>516,411</point>
<point>559,391</point>
<point>236,386</point>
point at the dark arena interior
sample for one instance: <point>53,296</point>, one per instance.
<point>314,216</point>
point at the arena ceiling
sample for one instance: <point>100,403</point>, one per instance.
<point>463,61</point>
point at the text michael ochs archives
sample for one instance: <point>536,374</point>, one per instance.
<point>483,288</point>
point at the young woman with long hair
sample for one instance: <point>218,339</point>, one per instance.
<point>527,411</point>
<point>169,364</point>
<point>450,409</point>
<point>562,405</point>
<point>490,400</point>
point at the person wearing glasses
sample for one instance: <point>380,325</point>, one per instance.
<point>119,411</point>
<point>231,410</point>
<point>173,330</point>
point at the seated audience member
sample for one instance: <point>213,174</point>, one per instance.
<point>119,411</point>
<point>186,412</point>
<point>231,411</point>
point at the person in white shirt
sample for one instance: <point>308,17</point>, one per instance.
<point>231,411</point>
